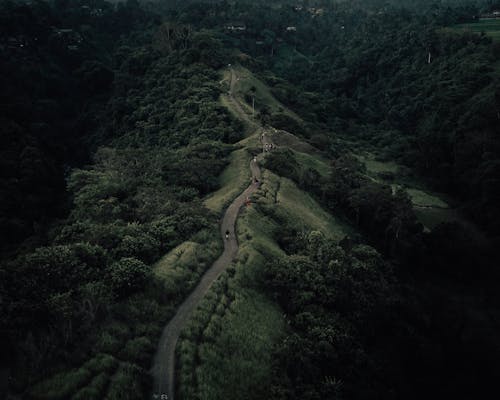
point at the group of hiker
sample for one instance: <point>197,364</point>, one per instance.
<point>269,146</point>
<point>266,146</point>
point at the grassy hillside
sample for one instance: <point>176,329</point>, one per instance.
<point>297,208</point>
<point>225,352</point>
<point>101,292</point>
<point>232,181</point>
<point>163,129</point>
<point>490,27</point>
<point>430,208</point>
<point>249,85</point>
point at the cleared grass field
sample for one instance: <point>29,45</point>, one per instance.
<point>421,198</point>
<point>374,166</point>
<point>286,139</point>
<point>491,27</point>
<point>302,210</point>
<point>312,162</point>
<point>430,208</point>
<point>263,96</point>
<point>290,54</point>
<point>431,217</point>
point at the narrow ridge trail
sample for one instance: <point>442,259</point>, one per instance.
<point>163,369</point>
<point>237,107</point>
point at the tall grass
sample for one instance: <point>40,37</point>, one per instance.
<point>123,346</point>
<point>224,352</point>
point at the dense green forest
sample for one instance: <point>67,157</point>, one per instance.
<point>114,134</point>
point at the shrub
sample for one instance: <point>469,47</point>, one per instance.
<point>287,123</point>
<point>102,363</point>
<point>128,276</point>
<point>138,350</point>
<point>283,163</point>
<point>141,246</point>
<point>108,343</point>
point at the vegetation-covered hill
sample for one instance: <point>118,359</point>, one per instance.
<point>79,303</point>
<point>421,94</point>
<point>127,128</point>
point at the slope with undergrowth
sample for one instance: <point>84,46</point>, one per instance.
<point>297,313</point>
<point>226,349</point>
<point>225,352</point>
<point>431,208</point>
<point>81,316</point>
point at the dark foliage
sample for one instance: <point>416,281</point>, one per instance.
<point>90,81</point>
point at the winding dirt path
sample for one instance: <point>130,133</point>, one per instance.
<point>164,361</point>
<point>163,369</point>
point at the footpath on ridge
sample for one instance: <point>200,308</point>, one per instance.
<point>163,369</point>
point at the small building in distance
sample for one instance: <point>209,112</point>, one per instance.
<point>14,42</point>
<point>491,15</point>
<point>236,27</point>
<point>316,12</point>
<point>66,38</point>
<point>69,35</point>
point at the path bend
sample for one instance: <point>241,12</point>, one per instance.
<point>164,361</point>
